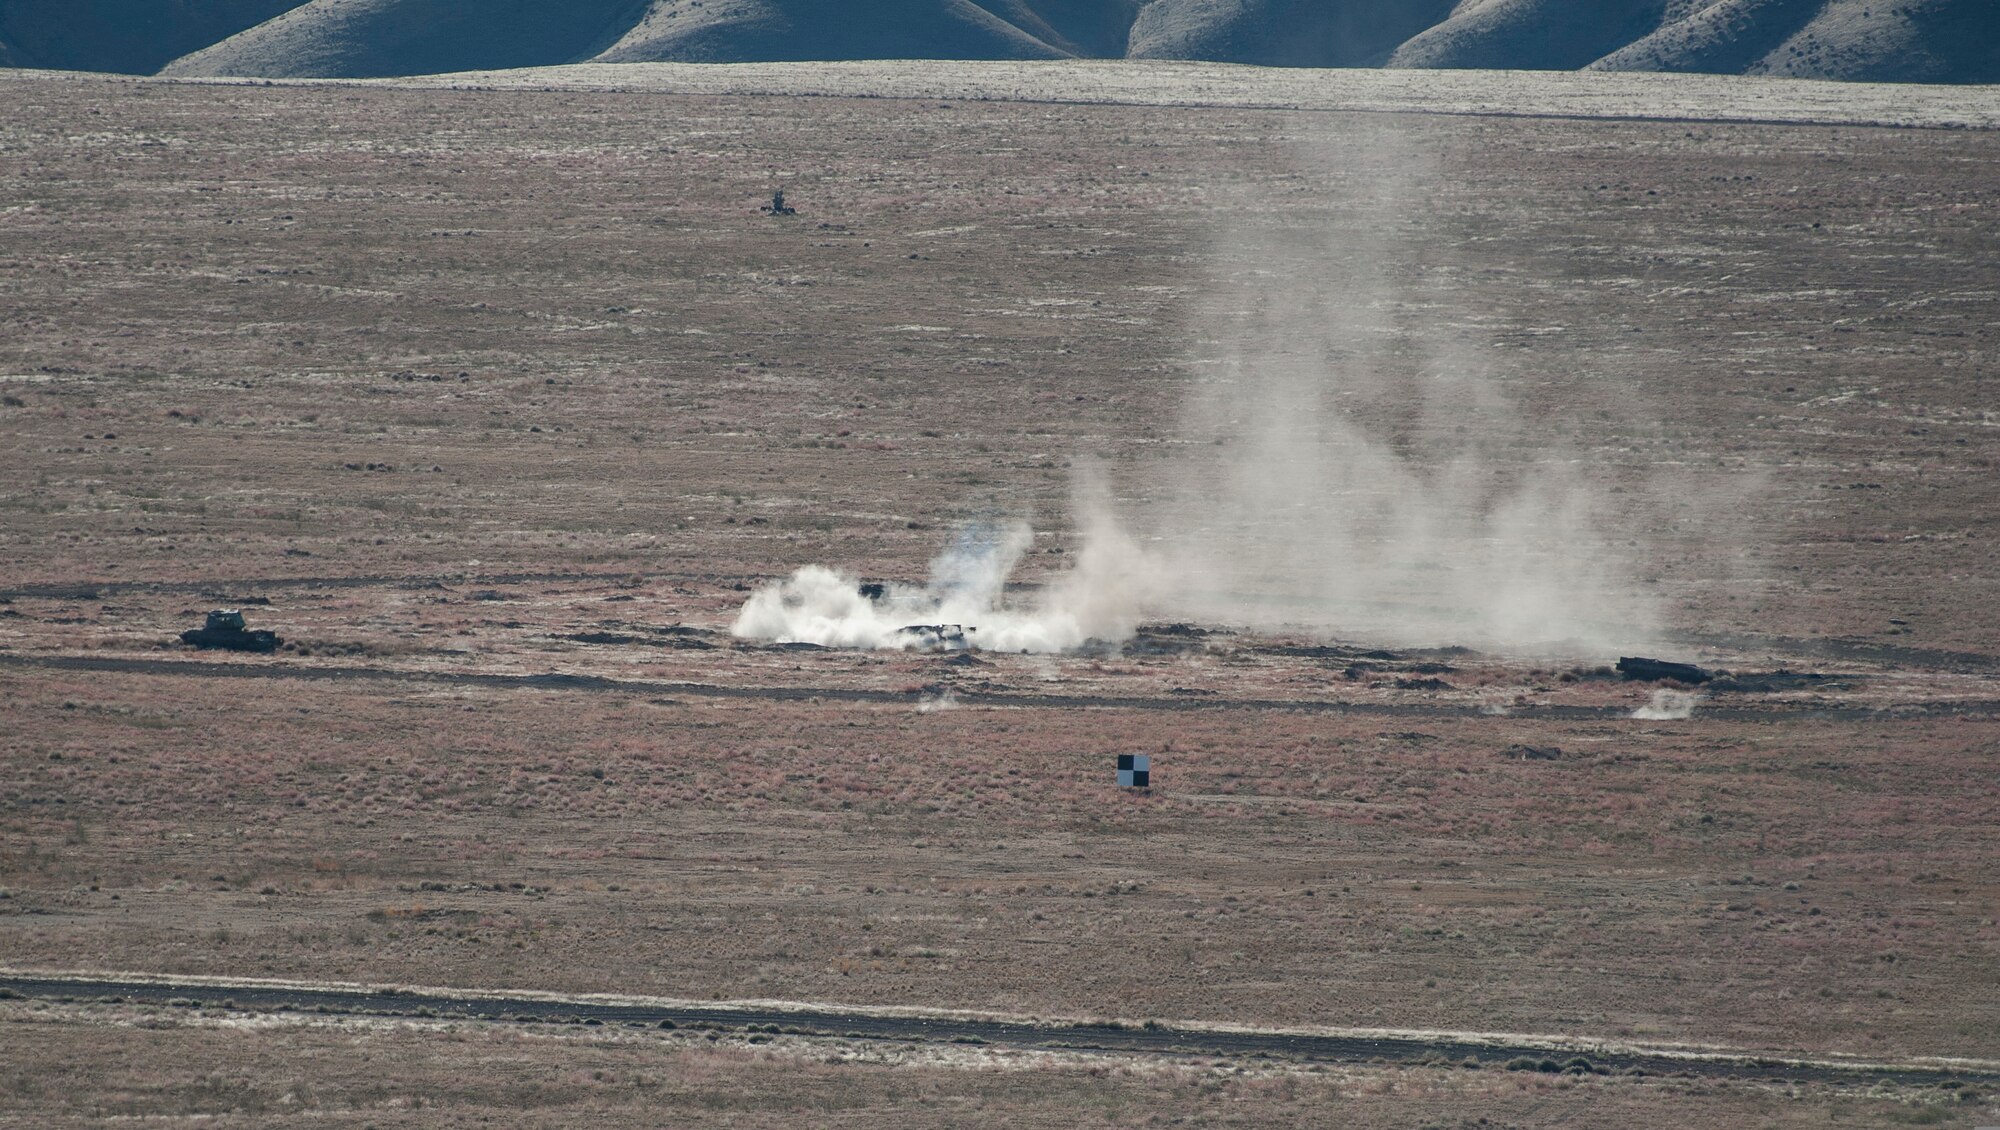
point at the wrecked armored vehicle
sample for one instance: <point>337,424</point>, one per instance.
<point>225,629</point>
<point>935,637</point>
<point>1641,669</point>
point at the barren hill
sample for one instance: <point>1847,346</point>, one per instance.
<point>1284,33</point>
<point>782,30</point>
<point>371,38</point>
<point>126,36</point>
<point>1095,28</point>
<point>1729,35</point>
<point>1536,35</point>
<point>1901,41</point>
<point>1944,41</point>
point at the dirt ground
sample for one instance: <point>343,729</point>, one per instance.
<point>83,1065</point>
<point>442,384</point>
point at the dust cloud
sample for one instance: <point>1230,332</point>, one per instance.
<point>1668,706</point>
<point>1353,460</point>
<point>1347,461</point>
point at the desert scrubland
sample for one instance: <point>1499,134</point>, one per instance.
<point>458,390</point>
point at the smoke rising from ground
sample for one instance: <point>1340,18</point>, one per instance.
<point>1101,597</point>
<point>1349,462</point>
<point>1358,465</point>
<point>1668,706</point>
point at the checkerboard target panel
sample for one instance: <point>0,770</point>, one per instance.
<point>1135,771</point>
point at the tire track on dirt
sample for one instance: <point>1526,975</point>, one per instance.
<point>1553,1054</point>
<point>1834,649</point>
<point>557,681</point>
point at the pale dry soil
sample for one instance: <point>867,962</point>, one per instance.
<point>439,337</point>
<point>1582,94</point>
<point>84,1064</point>
<point>1811,886</point>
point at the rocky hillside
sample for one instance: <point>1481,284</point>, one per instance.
<point>1947,41</point>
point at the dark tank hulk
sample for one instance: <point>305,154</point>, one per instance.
<point>1639,668</point>
<point>225,629</point>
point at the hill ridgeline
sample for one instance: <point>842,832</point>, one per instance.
<point>1935,41</point>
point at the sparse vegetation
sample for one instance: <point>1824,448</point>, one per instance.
<point>731,822</point>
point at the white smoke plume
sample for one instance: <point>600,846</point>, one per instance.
<point>1668,706</point>
<point>964,603</point>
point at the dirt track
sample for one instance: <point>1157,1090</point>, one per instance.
<point>1150,1038</point>
<point>222,589</point>
<point>562,682</point>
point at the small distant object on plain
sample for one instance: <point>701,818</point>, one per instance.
<point>778,207</point>
<point>225,629</point>
<point>1641,669</point>
<point>1135,771</point>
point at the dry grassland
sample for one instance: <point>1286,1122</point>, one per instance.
<point>83,1065</point>
<point>507,382</point>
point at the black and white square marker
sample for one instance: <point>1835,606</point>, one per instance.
<point>1135,771</point>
